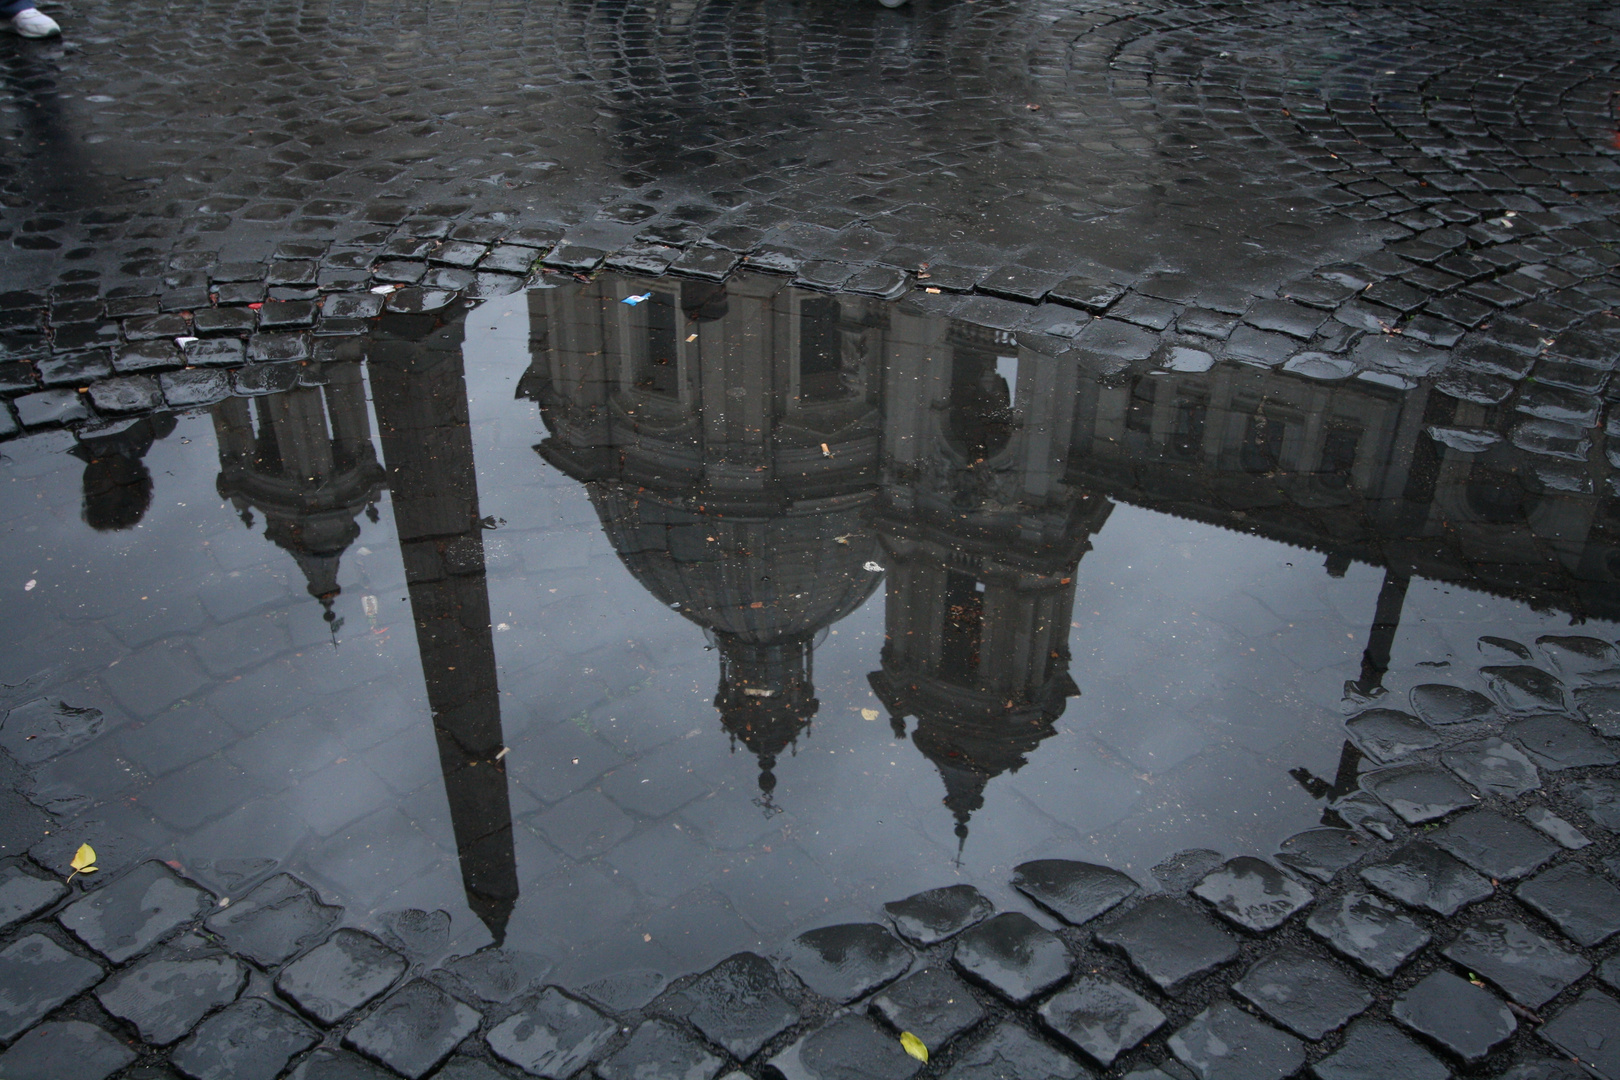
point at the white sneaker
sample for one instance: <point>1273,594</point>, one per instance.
<point>34,23</point>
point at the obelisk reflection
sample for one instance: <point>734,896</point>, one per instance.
<point>420,395</point>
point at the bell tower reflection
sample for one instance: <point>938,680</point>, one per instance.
<point>982,543</point>
<point>304,459</point>
<point>728,436</point>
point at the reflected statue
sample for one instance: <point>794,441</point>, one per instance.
<point>117,483</point>
<point>728,437</point>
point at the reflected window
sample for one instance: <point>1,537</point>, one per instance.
<point>1497,496</point>
<point>963,630</point>
<point>981,421</point>
<point>1262,444</point>
<point>1187,426</point>
<point>266,447</point>
<point>1339,455</point>
<point>1139,413</point>
<point>659,369</point>
<point>821,349</point>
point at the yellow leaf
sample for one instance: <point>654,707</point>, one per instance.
<point>83,861</point>
<point>869,714</point>
<point>914,1046</point>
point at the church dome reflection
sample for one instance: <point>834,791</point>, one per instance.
<point>728,437</point>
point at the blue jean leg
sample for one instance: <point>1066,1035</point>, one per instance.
<point>8,8</point>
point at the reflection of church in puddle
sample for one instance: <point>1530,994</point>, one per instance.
<point>749,448</point>
<point>760,456</point>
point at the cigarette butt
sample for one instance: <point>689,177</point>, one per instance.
<point>504,751</point>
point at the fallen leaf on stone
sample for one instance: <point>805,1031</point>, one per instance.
<point>914,1046</point>
<point>869,714</point>
<point>84,861</point>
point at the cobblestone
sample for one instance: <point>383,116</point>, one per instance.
<point>37,975</point>
<point>340,975</point>
<point>1308,996</point>
<point>552,1035</point>
<point>1253,894</point>
<point>65,1050</point>
<point>1074,892</point>
<point>1168,942</point>
<point>22,895</point>
<point>1493,767</point>
<point>1014,956</point>
<point>1586,1031</point>
<point>938,914</point>
<point>274,922</point>
<point>658,1051</point>
<point>1527,967</point>
<point>1225,1043</point>
<point>737,1004</point>
<point>1497,846</point>
<point>1463,1018</point>
<point>1422,875</point>
<point>1101,1019</point>
<point>1361,927</point>
<point>847,962</point>
<point>1322,853</point>
<point>165,997</point>
<point>932,1004</point>
<point>1374,1050</point>
<point>250,1040</point>
<point>1584,905</point>
<point>1011,1053</point>
<point>135,912</point>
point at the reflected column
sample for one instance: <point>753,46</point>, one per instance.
<point>420,395</point>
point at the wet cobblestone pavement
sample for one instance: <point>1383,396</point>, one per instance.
<point>690,540</point>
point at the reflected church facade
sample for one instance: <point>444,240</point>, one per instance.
<point>761,458</point>
<point>750,448</point>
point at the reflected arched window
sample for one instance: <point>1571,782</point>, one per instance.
<point>1262,444</point>
<point>980,423</point>
<point>821,349</point>
<point>1187,425</point>
<point>1498,496</point>
<point>1139,413</point>
<point>658,370</point>
<point>1338,456</point>
<point>963,632</point>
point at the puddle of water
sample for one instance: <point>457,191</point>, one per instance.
<point>633,635</point>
